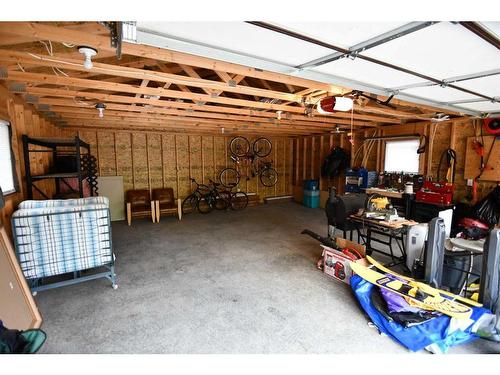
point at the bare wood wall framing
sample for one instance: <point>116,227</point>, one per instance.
<point>308,154</point>
<point>444,135</point>
<point>149,160</point>
<point>24,120</point>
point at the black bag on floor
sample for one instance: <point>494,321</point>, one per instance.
<point>13,341</point>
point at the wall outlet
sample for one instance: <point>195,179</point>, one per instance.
<point>470,182</point>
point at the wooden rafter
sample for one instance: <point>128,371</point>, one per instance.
<point>194,93</point>
<point>61,34</point>
<point>56,95</point>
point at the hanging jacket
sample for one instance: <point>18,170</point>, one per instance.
<point>336,162</point>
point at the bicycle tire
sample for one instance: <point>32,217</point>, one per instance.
<point>239,146</point>
<point>262,147</point>
<point>239,200</point>
<point>190,203</point>
<point>229,177</point>
<point>268,177</point>
<point>222,201</point>
<point>205,204</point>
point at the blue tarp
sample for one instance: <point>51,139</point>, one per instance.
<point>435,331</point>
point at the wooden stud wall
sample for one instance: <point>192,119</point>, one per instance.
<point>148,160</point>
<point>450,134</point>
<point>25,120</point>
<point>308,154</point>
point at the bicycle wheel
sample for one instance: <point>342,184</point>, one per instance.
<point>229,177</point>
<point>205,204</point>
<point>239,146</point>
<point>239,200</point>
<point>189,204</point>
<point>222,201</point>
<point>269,177</point>
<point>262,147</point>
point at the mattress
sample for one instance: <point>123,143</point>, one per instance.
<point>58,237</point>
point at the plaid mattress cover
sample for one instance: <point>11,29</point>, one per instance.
<point>53,240</point>
<point>63,202</point>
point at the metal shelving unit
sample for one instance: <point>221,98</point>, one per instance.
<point>74,147</point>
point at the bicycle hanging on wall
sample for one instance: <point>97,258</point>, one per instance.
<point>242,157</point>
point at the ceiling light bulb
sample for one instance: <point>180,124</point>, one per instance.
<point>88,52</point>
<point>100,107</point>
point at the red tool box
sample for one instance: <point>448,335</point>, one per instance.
<point>436,192</point>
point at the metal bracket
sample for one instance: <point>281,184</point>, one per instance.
<point>4,74</point>
<point>231,83</point>
<point>43,107</point>
<point>116,31</point>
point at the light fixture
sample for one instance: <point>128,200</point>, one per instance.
<point>88,52</point>
<point>278,114</point>
<point>100,107</point>
<point>331,104</point>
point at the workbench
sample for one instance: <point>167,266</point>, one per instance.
<point>405,200</point>
<point>392,229</point>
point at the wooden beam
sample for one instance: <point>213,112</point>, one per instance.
<point>184,126</point>
<point>333,120</point>
<point>61,34</point>
<point>68,106</point>
<point>138,116</point>
<point>123,71</point>
<point>99,85</point>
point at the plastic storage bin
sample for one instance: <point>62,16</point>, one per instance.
<point>311,185</point>
<point>311,198</point>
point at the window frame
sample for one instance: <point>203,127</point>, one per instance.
<point>15,190</point>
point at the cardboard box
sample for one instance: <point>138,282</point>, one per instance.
<point>336,264</point>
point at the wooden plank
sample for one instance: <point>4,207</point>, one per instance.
<point>18,308</point>
<point>124,159</point>
<point>207,161</point>
<point>492,159</point>
<point>182,147</point>
<point>192,80</point>
<point>195,158</point>
<point>169,162</point>
<point>140,161</point>
<point>219,154</point>
<point>155,163</point>
<point>107,157</point>
<point>60,34</point>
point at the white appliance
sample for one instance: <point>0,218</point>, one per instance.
<point>415,243</point>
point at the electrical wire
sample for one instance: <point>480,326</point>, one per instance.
<point>50,51</point>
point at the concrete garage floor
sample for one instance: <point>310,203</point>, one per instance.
<point>228,282</point>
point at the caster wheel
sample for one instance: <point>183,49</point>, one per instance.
<point>115,286</point>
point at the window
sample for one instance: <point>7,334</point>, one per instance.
<point>401,156</point>
<point>6,171</point>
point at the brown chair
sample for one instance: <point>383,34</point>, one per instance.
<point>166,203</point>
<point>139,204</point>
